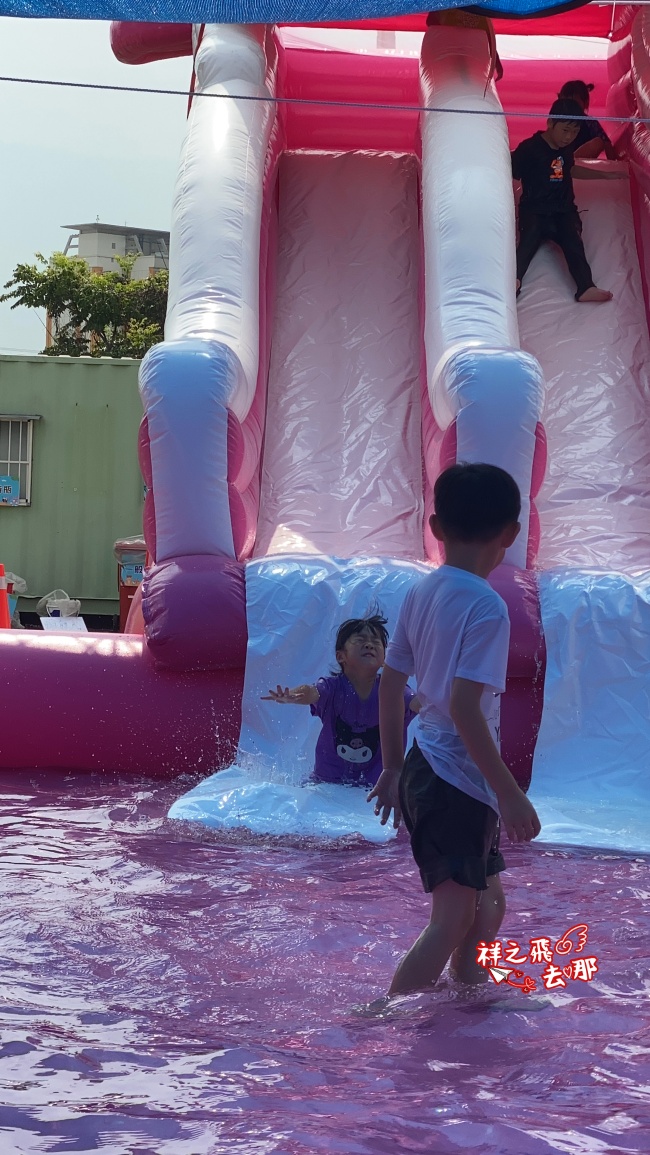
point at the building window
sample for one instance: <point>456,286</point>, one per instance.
<point>152,246</point>
<point>16,438</point>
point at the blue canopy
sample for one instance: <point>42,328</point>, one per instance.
<point>259,11</point>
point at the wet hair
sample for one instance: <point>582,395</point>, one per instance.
<point>476,502</point>
<point>376,623</point>
<point>576,90</point>
<point>566,110</point>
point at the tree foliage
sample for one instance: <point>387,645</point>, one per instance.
<point>93,314</point>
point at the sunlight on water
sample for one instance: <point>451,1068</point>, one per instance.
<point>169,991</point>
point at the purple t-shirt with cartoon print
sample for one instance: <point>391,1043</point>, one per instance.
<point>348,749</point>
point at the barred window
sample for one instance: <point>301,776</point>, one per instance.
<point>16,439</point>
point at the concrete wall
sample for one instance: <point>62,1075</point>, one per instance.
<point>99,250</point>
<point>86,485</point>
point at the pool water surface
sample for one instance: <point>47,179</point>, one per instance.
<point>169,991</point>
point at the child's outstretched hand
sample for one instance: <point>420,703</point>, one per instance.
<point>299,696</point>
<point>387,794</point>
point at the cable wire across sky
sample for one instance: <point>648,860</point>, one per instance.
<point>379,107</point>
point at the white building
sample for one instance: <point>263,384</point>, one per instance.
<point>98,245</point>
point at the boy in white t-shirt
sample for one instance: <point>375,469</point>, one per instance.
<point>453,633</point>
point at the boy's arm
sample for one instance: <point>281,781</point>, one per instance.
<point>518,814</point>
<point>299,696</point>
<point>391,738</point>
<point>590,149</point>
<point>515,160</point>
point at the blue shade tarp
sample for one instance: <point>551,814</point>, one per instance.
<point>255,11</point>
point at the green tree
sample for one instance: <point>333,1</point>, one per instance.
<point>93,314</point>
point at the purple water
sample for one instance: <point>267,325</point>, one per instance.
<point>167,991</point>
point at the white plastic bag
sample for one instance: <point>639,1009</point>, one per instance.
<point>57,604</point>
<point>19,586</point>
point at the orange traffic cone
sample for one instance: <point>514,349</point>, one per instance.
<point>5,616</point>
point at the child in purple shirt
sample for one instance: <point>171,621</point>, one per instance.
<point>347,704</point>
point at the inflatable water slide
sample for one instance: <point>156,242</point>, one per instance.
<point>342,324</point>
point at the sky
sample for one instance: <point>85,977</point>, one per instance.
<point>70,156</point>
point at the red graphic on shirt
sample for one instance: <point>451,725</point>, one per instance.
<point>493,957</point>
<point>557,168</point>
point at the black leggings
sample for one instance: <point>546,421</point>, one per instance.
<point>564,229</point>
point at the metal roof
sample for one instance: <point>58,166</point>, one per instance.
<point>120,230</point>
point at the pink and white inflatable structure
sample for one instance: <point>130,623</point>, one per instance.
<point>342,325</point>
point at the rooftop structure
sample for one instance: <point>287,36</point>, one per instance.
<point>99,244</point>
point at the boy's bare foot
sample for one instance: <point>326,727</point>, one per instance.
<point>594,296</point>
<point>374,1009</point>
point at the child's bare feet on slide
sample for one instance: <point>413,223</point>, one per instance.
<point>594,296</point>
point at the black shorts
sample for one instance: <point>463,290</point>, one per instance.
<point>452,835</point>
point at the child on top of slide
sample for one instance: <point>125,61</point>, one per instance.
<point>591,138</point>
<point>347,704</point>
<point>544,163</point>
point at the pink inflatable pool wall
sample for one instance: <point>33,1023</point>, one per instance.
<point>167,697</point>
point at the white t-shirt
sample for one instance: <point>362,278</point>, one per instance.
<point>452,624</point>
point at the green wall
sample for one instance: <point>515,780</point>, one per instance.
<point>87,489</point>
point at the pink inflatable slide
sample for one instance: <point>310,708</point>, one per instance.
<point>342,325</point>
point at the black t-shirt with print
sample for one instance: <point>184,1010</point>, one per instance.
<point>545,174</point>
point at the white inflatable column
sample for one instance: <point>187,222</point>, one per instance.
<point>208,363</point>
<point>477,375</point>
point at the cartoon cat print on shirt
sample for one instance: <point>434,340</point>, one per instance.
<point>358,748</point>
